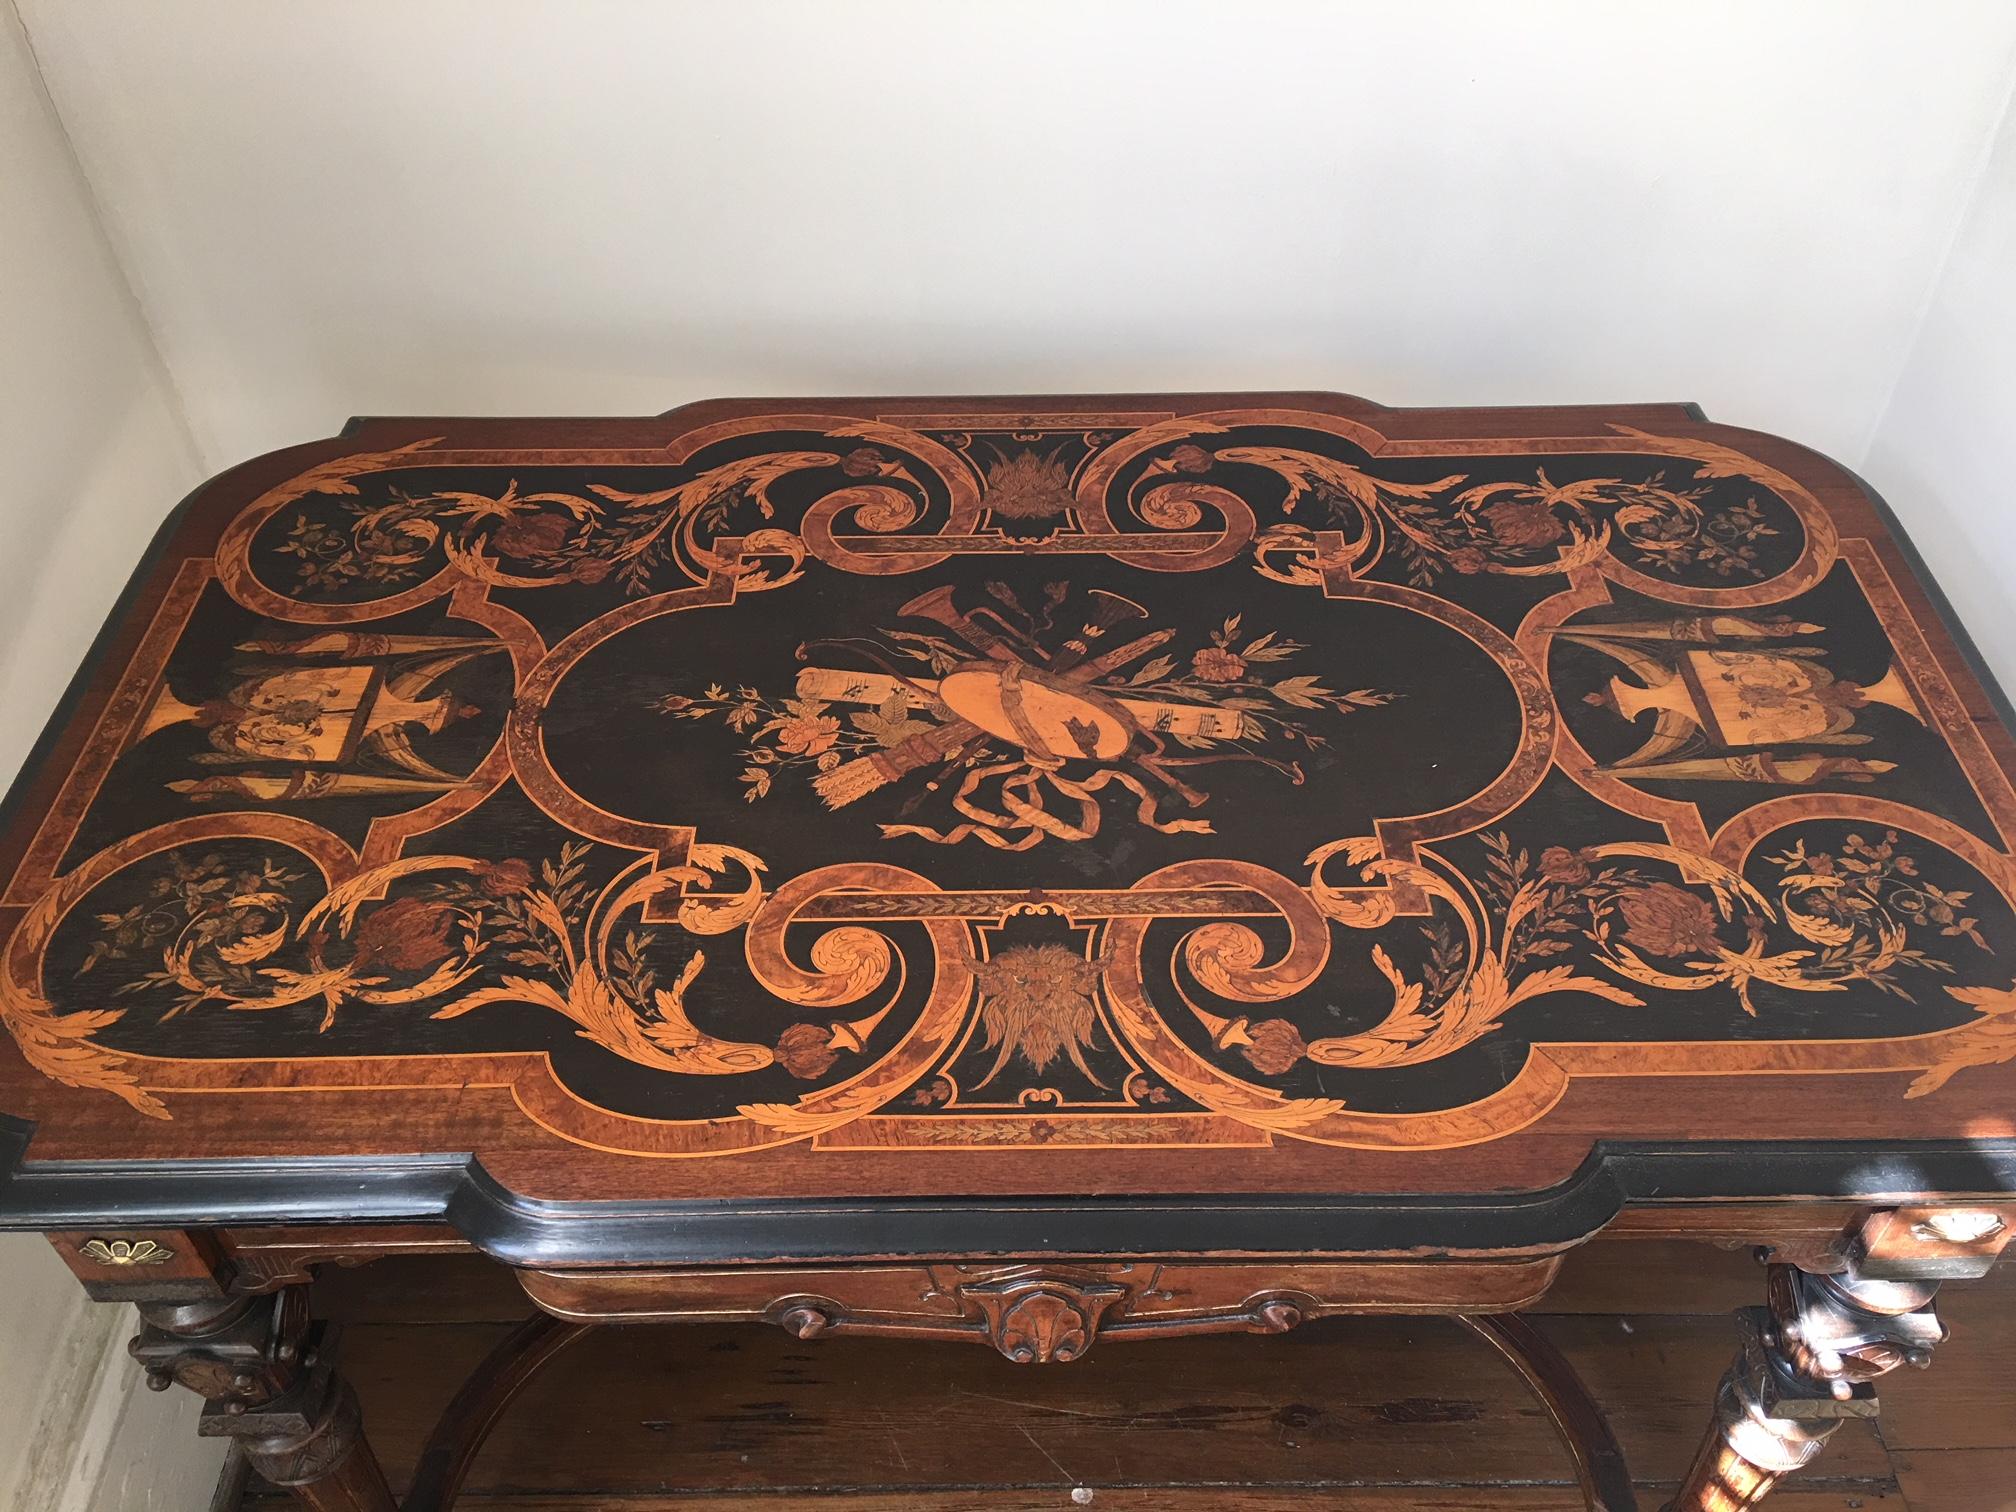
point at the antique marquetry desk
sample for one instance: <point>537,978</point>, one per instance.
<point>1025,871</point>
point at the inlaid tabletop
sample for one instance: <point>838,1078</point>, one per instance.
<point>1252,797</point>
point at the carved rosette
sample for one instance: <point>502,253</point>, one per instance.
<point>268,1380</point>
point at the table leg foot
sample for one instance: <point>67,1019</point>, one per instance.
<point>268,1378</point>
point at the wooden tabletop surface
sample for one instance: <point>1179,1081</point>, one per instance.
<point>1032,806</point>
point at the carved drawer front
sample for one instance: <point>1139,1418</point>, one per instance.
<point>1049,1311</point>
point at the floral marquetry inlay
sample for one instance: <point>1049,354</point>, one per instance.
<point>1083,779</point>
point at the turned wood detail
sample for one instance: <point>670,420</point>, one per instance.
<point>268,1379</point>
<point>1810,1357</point>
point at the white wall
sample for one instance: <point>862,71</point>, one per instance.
<point>1942,455</point>
<point>94,450</point>
<point>614,205</point>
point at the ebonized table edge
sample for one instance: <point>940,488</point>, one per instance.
<point>524,1231</point>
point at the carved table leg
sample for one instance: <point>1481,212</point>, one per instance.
<point>1808,1359</point>
<point>269,1381</point>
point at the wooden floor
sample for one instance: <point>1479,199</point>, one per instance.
<point>1385,1415</point>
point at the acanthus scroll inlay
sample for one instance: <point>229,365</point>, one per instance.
<point>926,782</point>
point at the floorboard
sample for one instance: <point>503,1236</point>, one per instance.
<point>1957,1480</point>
